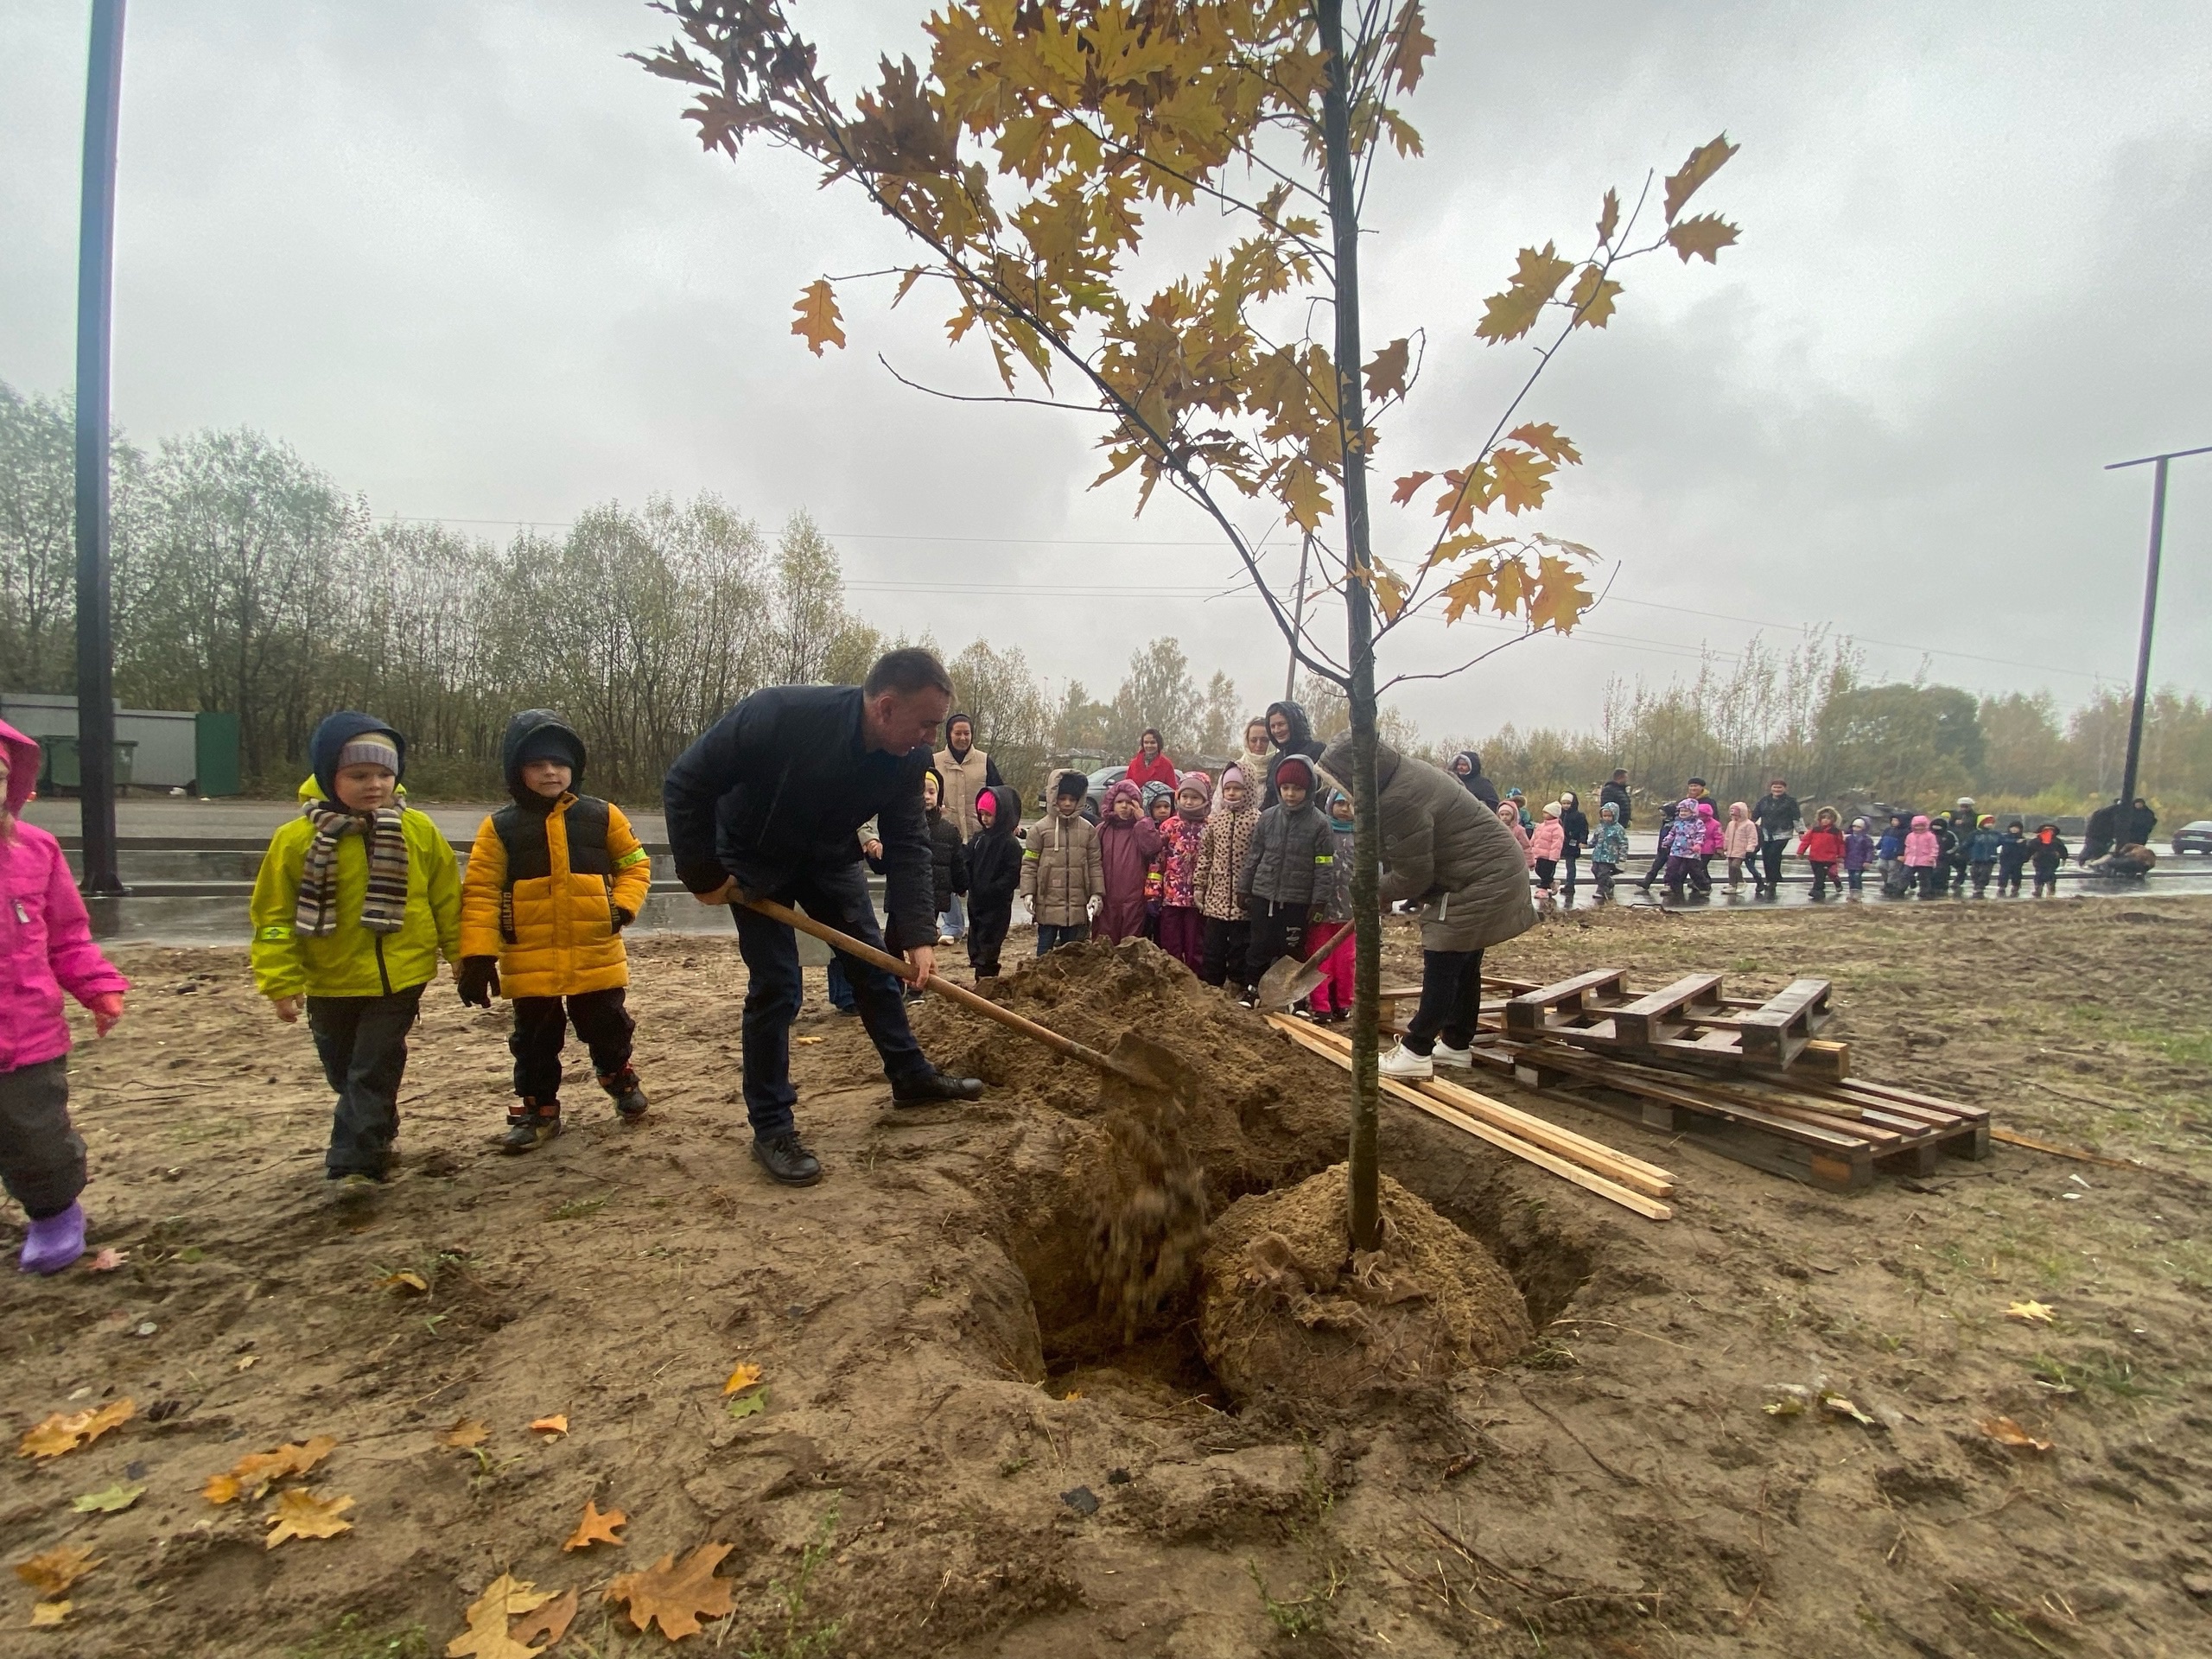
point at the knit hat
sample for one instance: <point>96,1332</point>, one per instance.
<point>550,743</point>
<point>368,749</point>
<point>1234,775</point>
<point>1070,787</point>
<point>1196,780</point>
<point>1283,768</point>
<point>1988,821</point>
<point>1551,809</point>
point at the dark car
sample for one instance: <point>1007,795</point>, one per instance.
<point>2195,838</point>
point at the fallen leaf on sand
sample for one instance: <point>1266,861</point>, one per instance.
<point>465,1433</point>
<point>109,1260</point>
<point>1844,1407</point>
<point>247,1362</point>
<point>597,1527</point>
<point>408,1284</point>
<point>486,1636</point>
<point>60,1433</point>
<point>51,1573</point>
<point>751,1406</point>
<point>551,1621</point>
<point>107,1501</point>
<point>743,1377</point>
<point>302,1515</point>
<point>806,1039</point>
<point>256,1472</point>
<point>679,1597</point>
<point>2006,1432</point>
<point>49,1612</point>
<point>2030,1313</point>
<point>549,1427</point>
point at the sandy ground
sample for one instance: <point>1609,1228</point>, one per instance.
<point>977,1482</point>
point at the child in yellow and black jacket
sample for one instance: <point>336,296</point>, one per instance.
<point>552,880</point>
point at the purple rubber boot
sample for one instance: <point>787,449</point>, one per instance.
<point>52,1245</point>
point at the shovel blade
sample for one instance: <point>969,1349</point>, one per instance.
<point>1285,982</point>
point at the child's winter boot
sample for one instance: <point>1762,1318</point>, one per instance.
<point>54,1241</point>
<point>629,1098</point>
<point>530,1125</point>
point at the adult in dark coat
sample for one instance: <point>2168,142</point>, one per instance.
<point>2102,833</point>
<point>1467,767</point>
<point>1776,813</point>
<point>1614,794</point>
<point>1443,848</point>
<point>768,803</point>
<point>2137,822</point>
<point>1293,734</point>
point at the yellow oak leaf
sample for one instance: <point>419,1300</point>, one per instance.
<point>46,1613</point>
<point>256,1472</point>
<point>221,1489</point>
<point>1592,298</point>
<point>549,1427</point>
<point>1513,312</point>
<point>1386,372</point>
<point>1560,598</point>
<point>598,1527</point>
<point>464,1435</point>
<point>1609,216</point>
<point>300,1514</point>
<point>488,1636</point>
<point>678,1596</point>
<point>53,1572</point>
<point>913,275</point>
<point>1451,548</point>
<point>1467,591</point>
<point>551,1622</point>
<point>1409,47</point>
<point>1543,436</point>
<point>1509,587</point>
<point>1390,593</point>
<point>2030,1313</point>
<point>1704,160</point>
<point>405,1283</point>
<point>1523,478</point>
<point>743,1377</point>
<point>1707,234</point>
<point>2006,1432</point>
<point>819,322</point>
<point>62,1433</point>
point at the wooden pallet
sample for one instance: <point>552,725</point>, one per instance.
<point>1690,1020</point>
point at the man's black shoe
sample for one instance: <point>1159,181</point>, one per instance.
<point>935,1088</point>
<point>786,1158</point>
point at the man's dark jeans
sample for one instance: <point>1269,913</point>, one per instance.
<point>362,1042</point>
<point>839,899</point>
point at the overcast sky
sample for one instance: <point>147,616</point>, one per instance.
<point>470,262</point>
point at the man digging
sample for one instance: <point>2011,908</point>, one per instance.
<point>768,804</point>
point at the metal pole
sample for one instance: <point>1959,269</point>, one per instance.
<point>2149,609</point>
<point>95,286</point>
<point>2143,648</point>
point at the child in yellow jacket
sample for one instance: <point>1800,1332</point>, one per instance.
<point>552,881</point>
<point>357,899</point>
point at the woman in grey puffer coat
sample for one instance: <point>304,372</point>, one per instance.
<point>1440,847</point>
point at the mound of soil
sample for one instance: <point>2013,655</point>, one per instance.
<point>1290,1313</point>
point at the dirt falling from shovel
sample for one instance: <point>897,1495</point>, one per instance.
<point>1150,1224</point>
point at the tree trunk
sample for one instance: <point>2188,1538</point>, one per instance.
<point>1352,424</point>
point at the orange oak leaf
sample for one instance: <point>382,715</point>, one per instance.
<point>1536,277</point>
<point>53,1572</point>
<point>1386,371</point>
<point>465,1433</point>
<point>1509,587</point>
<point>256,1472</point>
<point>1609,218</point>
<point>1409,47</point>
<point>549,1427</point>
<point>1467,592</point>
<point>45,1614</point>
<point>679,1597</point>
<point>1554,444</point>
<point>819,322</point>
<point>598,1527</point>
<point>742,1378</point>
<point>551,1621</point>
<point>1523,478</point>
<point>2006,1432</point>
<point>487,1635</point>
<point>1560,598</point>
<point>1704,160</point>
<point>300,1514</point>
<point>1707,234</point>
<point>1407,485</point>
<point>1390,595</point>
<point>59,1432</point>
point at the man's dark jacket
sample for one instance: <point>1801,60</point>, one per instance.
<point>781,785</point>
<point>1615,796</point>
<point>1776,814</point>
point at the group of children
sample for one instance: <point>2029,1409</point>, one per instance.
<point>1938,854</point>
<point>1226,888</point>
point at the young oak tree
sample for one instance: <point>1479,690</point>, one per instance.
<point>1022,162</point>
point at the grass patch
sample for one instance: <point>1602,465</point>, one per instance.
<point>350,1637</point>
<point>577,1209</point>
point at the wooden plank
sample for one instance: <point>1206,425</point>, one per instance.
<point>1777,1031</point>
<point>1650,1017</point>
<point>1589,1181</point>
<point>1532,1011</point>
<point>1642,1080</point>
<point>1609,1162</point>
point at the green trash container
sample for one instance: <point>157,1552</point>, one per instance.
<point>64,770</point>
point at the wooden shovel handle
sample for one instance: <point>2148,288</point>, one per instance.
<point>944,988</point>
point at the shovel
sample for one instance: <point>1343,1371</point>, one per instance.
<point>1118,1064</point>
<point>1288,980</point>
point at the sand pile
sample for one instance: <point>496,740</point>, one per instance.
<point>1288,1313</point>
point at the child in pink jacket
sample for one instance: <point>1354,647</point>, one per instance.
<point>46,946</point>
<point>1923,858</point>
<point>1545,847</point>
<point>1740,840</point>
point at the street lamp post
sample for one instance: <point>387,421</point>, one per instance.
<point>2149,607</point>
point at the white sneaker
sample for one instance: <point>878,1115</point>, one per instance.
<point>1406,1065</point>
<point>1444,1054</point>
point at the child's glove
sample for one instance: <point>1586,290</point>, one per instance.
<point>622,919</point>
<point>107,1008</point>
<point>480,980</point>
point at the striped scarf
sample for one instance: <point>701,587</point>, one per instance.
<point>384,906</point>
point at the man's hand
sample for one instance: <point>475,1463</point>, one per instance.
<point>725,895</point>
<point>872,850</point>
<point>288,1008</point>
<point>923,959</point>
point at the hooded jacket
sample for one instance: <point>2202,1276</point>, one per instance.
<point>1477,785</point>
<point>995,855</point>
<point>352,961</point>
<point>1822,844</point>
<point>965,776</point>
<point>1610,844</point>
<point>780,786</point>
<point>1300,741</point>
<point>1984,845</point>
<point>46,938</point>
<point>1125,855</point>
<point>1291,861</point>
<point>1714,839</point>
<point>1739,837</point>
<point>1922,850</point>
<point>2046,855</point>
<point>1218,876</point>
<point>1179,849</point>
<point>2013,852</point>
<point>1858,846</point>
<point>1615,796</point>
<point>1061,871</point>
<point>1442,846</point>
<point>1575,823</point>
<point>546,877</point>
<point>948,860</point>
<point>1550,840</point>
